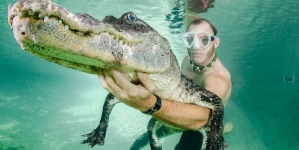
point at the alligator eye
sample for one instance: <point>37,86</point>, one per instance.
<point>132,17</point>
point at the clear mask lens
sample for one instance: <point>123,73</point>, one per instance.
<point>197,40</point>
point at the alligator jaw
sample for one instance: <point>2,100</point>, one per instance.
<point>81,24</point>
<point>51,32</point>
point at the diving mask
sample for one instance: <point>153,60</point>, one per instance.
<point>198,39</point>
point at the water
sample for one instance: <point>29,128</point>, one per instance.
<point>46,106</point>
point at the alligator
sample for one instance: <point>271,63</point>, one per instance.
<point>81,42</point>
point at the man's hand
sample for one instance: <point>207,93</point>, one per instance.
<point>138,96</point>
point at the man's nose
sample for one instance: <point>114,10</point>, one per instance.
<point>196,45</point>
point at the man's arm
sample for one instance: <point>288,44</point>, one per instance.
<point>187,116</point>
<point>191,116</point>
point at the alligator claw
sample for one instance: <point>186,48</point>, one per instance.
<point>93,138</point>
<point>88,134</point>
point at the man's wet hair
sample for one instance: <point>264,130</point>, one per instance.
<point>195,20</point>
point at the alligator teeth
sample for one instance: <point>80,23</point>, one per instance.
<point>59,21</point>
<point>120,41</point>
<point>66,27</point>
<point>9,6</point>
<point>79,33</point>
<point>34,8</point>
<point>46,18</point>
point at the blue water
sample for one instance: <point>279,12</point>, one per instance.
<point>46,106</point>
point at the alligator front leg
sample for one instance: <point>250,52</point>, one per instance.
<point>97,136</point>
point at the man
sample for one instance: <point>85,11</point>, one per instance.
<point>201,65</point>
<point>204,68</point>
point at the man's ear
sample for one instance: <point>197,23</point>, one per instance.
<point>216,42</point>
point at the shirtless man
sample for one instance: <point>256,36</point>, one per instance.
<point>204,68</point>
<point>201,65</point>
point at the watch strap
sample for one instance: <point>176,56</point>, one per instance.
<point>156,107</point>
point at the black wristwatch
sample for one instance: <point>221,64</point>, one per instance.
<point>156,107</point>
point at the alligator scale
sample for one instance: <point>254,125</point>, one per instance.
<point>84,43</point>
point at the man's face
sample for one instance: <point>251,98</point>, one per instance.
<point>200,56</point>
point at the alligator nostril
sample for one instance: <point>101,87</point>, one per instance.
<point>23,33</point>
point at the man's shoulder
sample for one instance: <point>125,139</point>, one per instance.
<point>219,72</point>
<point>217,78</point>
<point>218,84</point>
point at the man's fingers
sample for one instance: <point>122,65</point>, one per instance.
<point>122,80</point>
<point>146,81</point>
<point>120,86</point>
<point>102,78</point>
<point>114,86</point>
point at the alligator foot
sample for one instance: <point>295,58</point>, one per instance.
<point>97,136</point>
<point>93,138</point>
